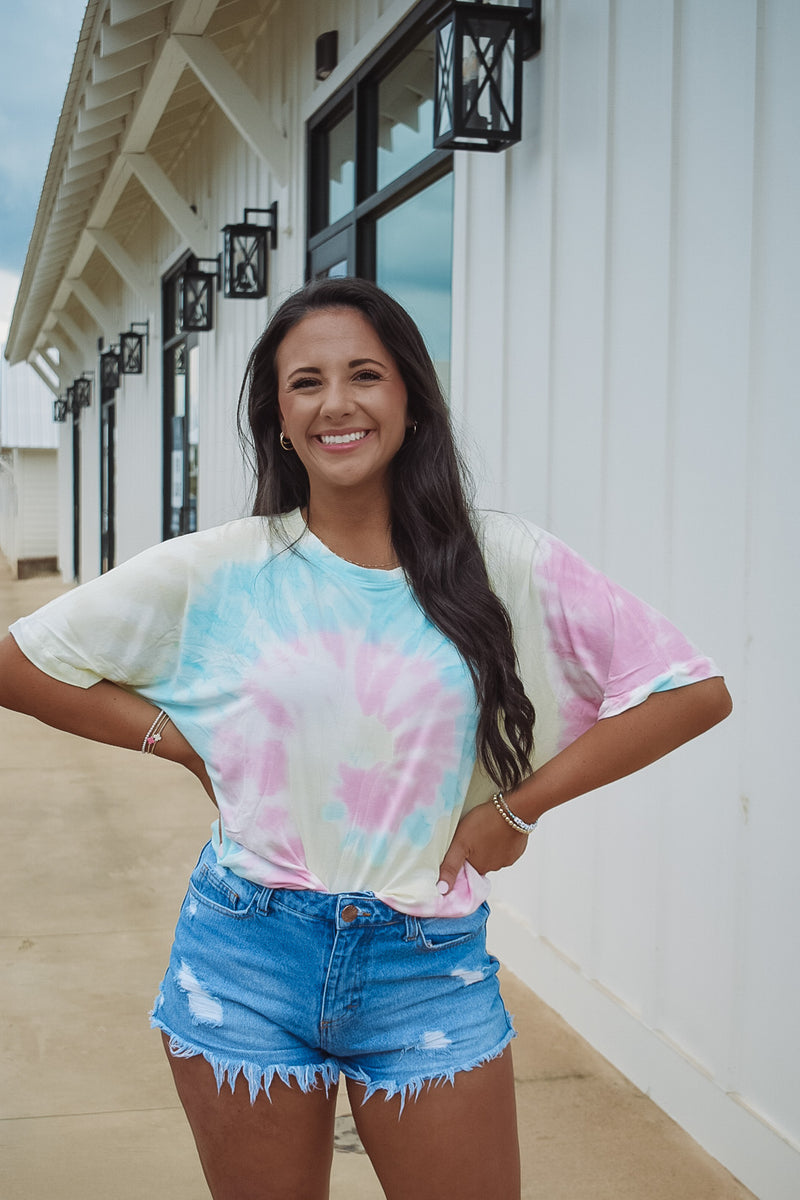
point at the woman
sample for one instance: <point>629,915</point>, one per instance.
<point>351,674</point>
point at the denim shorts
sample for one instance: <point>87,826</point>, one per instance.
<point>300,984</point>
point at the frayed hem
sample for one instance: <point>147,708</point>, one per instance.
<point>412,1087</point>
<point>259,1079</point>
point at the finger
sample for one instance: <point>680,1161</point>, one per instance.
<point>452,863</point>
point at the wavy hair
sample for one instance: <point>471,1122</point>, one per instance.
<point>431,518</point>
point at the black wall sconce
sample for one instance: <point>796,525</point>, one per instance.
<point>81,393</point>
<point>196,296</point>
<point>480,49</point>
<point>60,409</point>
<point>131,348</point>
<point>326,54</point>
<point>110,367</point>
<point>245,256</point>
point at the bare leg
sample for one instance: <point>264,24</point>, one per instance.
<point>458,1140</point>
<point>276,1149</point>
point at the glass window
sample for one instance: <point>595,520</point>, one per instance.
<point>414,262</point>
<point>405,113</point>
<point>380,195</point>
<point>341,168</point>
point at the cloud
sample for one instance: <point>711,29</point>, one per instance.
<point>36,53</point>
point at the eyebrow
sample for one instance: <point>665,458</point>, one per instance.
<point>354,362</point>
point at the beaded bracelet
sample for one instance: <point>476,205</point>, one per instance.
<point>511,818</point>
<point>153,735</point>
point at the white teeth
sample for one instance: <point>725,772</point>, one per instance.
<point>333,439</point>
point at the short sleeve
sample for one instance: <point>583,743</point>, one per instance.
<point>123,626</point>
<point>607,649</point>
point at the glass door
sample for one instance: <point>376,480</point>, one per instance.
<point>108,488</point>
<point>181,418</point>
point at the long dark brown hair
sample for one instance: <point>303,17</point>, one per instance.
<point>431,520</point>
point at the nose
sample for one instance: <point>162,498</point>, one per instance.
<point>337,400</point>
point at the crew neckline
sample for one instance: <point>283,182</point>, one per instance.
<point>374,577</point>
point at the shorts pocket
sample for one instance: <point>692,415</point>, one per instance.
<point>440,933</point>
<point>222,890</point>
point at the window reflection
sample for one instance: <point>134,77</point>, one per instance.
<point>405,113</point>
<point>414,261</point>
<point>341,168</point>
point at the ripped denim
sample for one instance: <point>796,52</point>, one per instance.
<point>303,985</point>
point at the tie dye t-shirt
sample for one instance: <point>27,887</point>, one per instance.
<point>337,723</point>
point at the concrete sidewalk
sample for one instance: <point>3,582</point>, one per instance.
<point>98,845</point>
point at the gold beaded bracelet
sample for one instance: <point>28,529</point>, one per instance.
<point>511,818</point>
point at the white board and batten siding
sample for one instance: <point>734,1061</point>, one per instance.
<point>624,374</point>
<point>624,307</point>
<point>28,468</point>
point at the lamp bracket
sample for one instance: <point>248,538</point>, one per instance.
<point>135,326</point>
<point>272,224</point>
<point>217,272</point>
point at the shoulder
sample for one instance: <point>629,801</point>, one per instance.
<point>247,539</point>
<point>510,544</point>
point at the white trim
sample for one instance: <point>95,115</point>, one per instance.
<point>370,42</point>
<point>122,262</point>
<point>175,208</point>
<point>45,378</point>
<point>80,338</point>
<point>755,1152</point>
<point>94,307</point>
<point>231,94</point>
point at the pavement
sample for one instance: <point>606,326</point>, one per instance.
<point>98,845</point>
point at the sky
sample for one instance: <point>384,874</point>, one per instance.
<point>37,46</point>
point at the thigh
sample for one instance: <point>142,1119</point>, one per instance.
<point>278,1148</point>
<point>456,1139</point>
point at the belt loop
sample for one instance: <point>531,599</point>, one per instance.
<point>412,929</point>
<point>264,898</point>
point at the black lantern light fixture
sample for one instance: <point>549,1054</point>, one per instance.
<point>326,54</point>
<point>480,49</point>
<point>196,296</point>
<point>81,393</point>
<point>110,367</point>
<point>131,348</point>
<point>245,255</point>
<point>60,409</point>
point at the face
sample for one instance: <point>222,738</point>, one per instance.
<point>343,403</point>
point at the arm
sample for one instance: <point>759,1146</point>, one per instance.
<point>612,748</point>
<point>104,712</point>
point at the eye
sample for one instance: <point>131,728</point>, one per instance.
<point>367,375</point>
<point>299,384</point>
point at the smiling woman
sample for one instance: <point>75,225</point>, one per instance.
<point>355,721</point>
<point>344,408</point>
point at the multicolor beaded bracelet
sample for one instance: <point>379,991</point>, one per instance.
<point>153,735</point>
<point>511,818</point>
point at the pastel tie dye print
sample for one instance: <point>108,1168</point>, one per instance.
<point>337,723</point>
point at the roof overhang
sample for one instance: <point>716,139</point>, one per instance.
<point>136,60</point>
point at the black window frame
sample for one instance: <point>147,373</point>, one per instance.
<point>355,232</point>
<point>173,336</point>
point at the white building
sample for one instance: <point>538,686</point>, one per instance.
<point>614,303</point>
<point>28,473</point>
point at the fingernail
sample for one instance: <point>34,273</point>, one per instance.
<point>443,887</point>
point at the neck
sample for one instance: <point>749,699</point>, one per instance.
<point>354,528</point>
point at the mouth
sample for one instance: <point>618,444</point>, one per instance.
<point>343,439</point>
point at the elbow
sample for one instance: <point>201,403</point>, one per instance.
<point>718,703</point>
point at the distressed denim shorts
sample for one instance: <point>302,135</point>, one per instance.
<point>300,984</point>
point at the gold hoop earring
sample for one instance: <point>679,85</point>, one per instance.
<point>285,443</point>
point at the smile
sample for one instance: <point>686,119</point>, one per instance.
<point>341,439</point>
